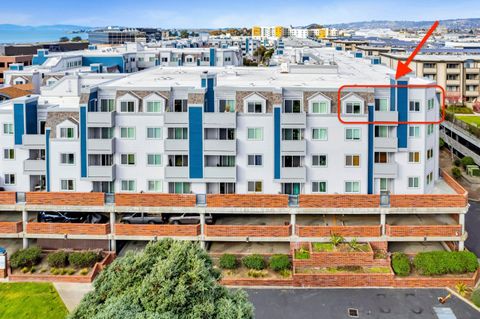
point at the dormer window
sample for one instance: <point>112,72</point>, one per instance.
<point>67,132</point>
<point>254,107</point>
<point>353,108</point>
<point>127,106</point>
<point>292,106</point>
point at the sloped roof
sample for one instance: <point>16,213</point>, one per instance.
<point>12,92</point>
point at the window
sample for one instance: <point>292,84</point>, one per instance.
<point>414,106</point>
<point>430,104</point>
<point>414,131</point>
<point>9,179</point>
<point>292,161</point>
<point>255,160</point>
<point>414,157</point>
<point>180,105</point>
<point>154,185</point>
<point>67,132</point>
<point>226,105</point>
<point>292,134</point>
<point>154,132</point>
<point>127,159</point>
<point>352,160</point>
<point>127,106</point>
<point>67,185</point>
<point>413,182</point>
<point>430,177</point>
<point>319,134</point>
<point>154,159</point>
<point>429,129</point>
<point>383,184</point>
<point>254,107</point>
<point>292,106</point>
<point>179,188</point>
<point>154,106</point>
<point>8,128</point>
<point>353,108</point>
<point>255,134</point>
<point>319,160</point>
<point>9,153</point>
<point>67,158</point>
<point>107,105</point>
<point>128,185</point>
<point>430,153</point>
<point>320,107</point>
<point>127,132</point>
<point>178,160</point>
<point>381,157</point>
<point>177,133</point>
<point>352,134</point>
<point>381,105</point>
<point>255,187</point>
<point>319,187</point>
<point>352,187</point>
<point>381,131</point>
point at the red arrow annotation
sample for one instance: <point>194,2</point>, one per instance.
<point>402,68</point>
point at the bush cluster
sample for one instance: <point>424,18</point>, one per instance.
<point>476,297</point>
<point>58,259</point>
<point>26,257</point>
<point>228,261</point>
<point>445,262</point>
<point>457,162</point>
<point>456,172</point>
<point>400,264</point>
<point>467,160</point>
<point>254,262</point>
<point>83,259</point>
<point>279,262</point>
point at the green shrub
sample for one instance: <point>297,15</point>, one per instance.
<point>62,271</point>
<point>400,264</point>
<point>58,259</point>
<point>33,270</point>
<point>336,239</point>
<point>286,273</point>
<point>302,253</point>
<point>279,262</point>
<point>255,261</point>
<point>84,271</point>
<point>467,160</point>
<point>476,297</point>
<point>441,143</point>
<point>456,172</point>
<point>228,261</point>
<point>445,262</point>
<point>476,172</point>
<point>457,162</point>
<point>255,273</point>
<point>459,110</point>
<point>26,257</point>
<point>83,259</point>
<point>70,271</point>
<point>25,270</point>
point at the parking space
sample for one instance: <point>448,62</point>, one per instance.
<point>131,245</point>
<point>337,220</point>
<point>10,216</point>
<point>442,219</point>
<point>248,248</point>
<point>252,219</point>
<point>415,247</point>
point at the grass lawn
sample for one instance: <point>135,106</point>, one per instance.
<point>474,120</point>
<point>30,301</point>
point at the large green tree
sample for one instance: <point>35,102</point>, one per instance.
<point>169,279</point>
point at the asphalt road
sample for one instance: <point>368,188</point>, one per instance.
<point>472,225</point>
<point>371,303</point>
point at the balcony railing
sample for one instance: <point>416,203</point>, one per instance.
<point>101,119</point>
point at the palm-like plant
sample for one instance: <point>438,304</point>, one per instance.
<point>336,239</point>
<point>462,289</point>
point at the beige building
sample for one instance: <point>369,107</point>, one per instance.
<point>459,75</point>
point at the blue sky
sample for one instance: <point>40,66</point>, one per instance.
<point>212,14</point>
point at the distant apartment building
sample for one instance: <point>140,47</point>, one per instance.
<point>459,75</point>
<point>116,36</point>
<point>268,32</point>
<point>6,61</point>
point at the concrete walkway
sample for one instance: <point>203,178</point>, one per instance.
<point>72,293</point>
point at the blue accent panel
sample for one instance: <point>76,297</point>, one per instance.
<point>83,141</point>
<point>247,44</point>
<point>31,118</point>
<point>105,61</point>
<point>276,142</point>
<point>210,96</point>
<point>18,123</point>
<point>393,92</point>
<point>358,54</point>
<point>204,83</point>
<point>370,148</point>
<point>212,57</point>
<point>195,141</point>
<point>47,158</point>
<point>338,48</point>
<point>402,100</point>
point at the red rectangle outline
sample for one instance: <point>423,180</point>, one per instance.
<point>339,106</point>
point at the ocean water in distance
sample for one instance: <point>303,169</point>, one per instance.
<point>36,35</point>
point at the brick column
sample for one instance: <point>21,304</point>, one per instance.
<point>24,221</point>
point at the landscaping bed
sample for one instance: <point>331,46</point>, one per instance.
<point>343,269</point>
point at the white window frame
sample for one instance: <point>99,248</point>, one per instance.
<point>319,192</point>
<point>66,156</point>
<point>9,150</point>
<point>319,128</point>
<point>66,128</point>
<point>320,166</point>
<point>415,102</point>
<point>7,127</point>
<point>254,185</point>
<point>254,159</point>
<point>9,179</point>
<point>255,128</point>
<point>127,157</point>
<point>354,129</point>
<point>128,181</point>
<point>353,166</point>
<point>155,130</point>
<point>155,155</point>
<point>413,178</point>
<point>359,187</point>
<point>155,183</point>
<point>67,180</point>
<point>127,128</point>
<point>416,128</point>
<point>419,157</point>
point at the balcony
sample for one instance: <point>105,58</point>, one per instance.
<point>453,70</point>
<point>472,70</point>
<point>33,141</point>
<point>220,120</point>
<point>172,145</point>
<point>293,174</point>
<point>220,147</point>
<point>179,172</point>
<point>453,82</point>
<point>472,82</point>
<point>101,173</point>
<point>429,70</point>
<point>385,170</point>
<point>294,119</point>
<point>34,167</point>
<point>386,116</point>
<point>101,146</point>
<point>101,119</point>
<point>385,144</point>
<point>228,174</point>
<point>176,118</point>
<point>294,147</point>
<point>472,93</point>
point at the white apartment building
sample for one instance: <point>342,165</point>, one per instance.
<point>223,130</point>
